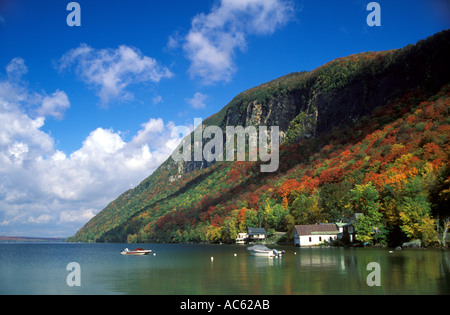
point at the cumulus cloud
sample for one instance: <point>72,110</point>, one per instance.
<point>14,95</point>
<point>215,37</point>
<point>44,190</point>
<point>54,105</point>
<point>111,71</point>
<point>198,101</point>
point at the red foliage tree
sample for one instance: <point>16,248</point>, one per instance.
<point>331,175</point>
<point>286,191</point>
<point>253,201</point>
<point>217,221</point>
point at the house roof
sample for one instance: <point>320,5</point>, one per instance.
<point>315,229</point>
<point>255,231</point>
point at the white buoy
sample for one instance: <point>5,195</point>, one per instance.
<point>212,259</point>
<point>235,254</point>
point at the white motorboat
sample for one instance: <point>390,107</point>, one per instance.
<point>137,252</point>
<point>260,250</point>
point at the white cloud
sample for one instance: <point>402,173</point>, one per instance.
<point>13,95</point>
<point>17,152</point>
<point>174,41</point>
<point>148,131</point>
<point>16,68</point>
<point>111,71</point>
<point>80,216</point>
<point>214,37</point>
<point>43,218</point>
<point>54,105</point>
<point>44,191</point>
<point>198,101</point>
<point>18,127</point>
<point>157,99</point>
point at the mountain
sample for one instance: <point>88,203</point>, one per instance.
<point>363,132</point>
<point>24,239</point>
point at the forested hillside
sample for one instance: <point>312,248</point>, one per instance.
<point>366,133</point>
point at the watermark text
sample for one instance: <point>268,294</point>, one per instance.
<point>237,138</point>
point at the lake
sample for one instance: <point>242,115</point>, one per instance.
<point>187,269</point>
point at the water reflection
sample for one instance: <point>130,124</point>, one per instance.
<point>188,269</point>
<point>300,271</point>
<point>444,284</point>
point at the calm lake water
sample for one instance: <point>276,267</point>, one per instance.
<point>188,270</point>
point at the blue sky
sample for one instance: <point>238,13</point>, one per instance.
<point>86,112</point>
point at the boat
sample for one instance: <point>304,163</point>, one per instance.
<point>261,250</point>
<point>136,252</point>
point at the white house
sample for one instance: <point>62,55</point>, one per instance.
<point>241,238</point>
<point>253,234</point>
<point>311,235</point>
<point>256,234</point>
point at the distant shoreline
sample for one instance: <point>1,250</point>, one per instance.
<point>20,239</point>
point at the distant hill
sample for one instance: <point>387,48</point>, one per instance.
<point>365,133</point>
<point>22,239</point>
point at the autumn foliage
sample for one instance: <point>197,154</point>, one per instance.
<point>392,165</point>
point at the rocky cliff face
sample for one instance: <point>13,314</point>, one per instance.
<point>307,104</point>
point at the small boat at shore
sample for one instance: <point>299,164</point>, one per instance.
<point>136,252</point>
<point>263,251</point>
